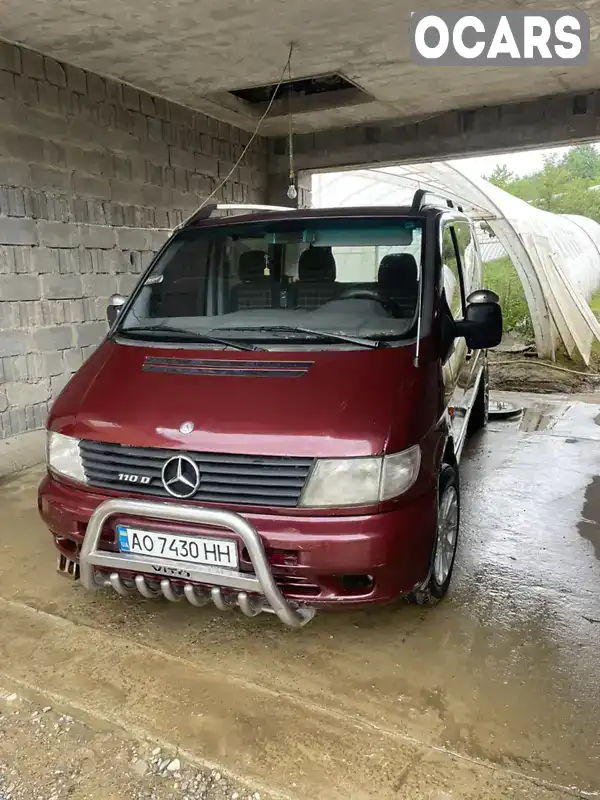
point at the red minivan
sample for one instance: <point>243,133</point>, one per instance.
<point>275,418</point>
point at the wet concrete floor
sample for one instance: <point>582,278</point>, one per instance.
<point>495,693</point>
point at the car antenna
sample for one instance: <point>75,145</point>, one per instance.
<point>419,307</point>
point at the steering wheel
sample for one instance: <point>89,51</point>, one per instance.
<point>367,294</point>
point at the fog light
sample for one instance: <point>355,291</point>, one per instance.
<point>357,584</point>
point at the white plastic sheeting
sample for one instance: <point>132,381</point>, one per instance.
<point>556,256</point>
<point>490,249</point>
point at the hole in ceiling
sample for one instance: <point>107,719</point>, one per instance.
<point>307,94</point>
<point>302,87</point>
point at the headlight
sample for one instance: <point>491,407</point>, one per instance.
<point>338,482</point>
<point>64,457</point>
<point>343,482</point>
<point>400,471</point>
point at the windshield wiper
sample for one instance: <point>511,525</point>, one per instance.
<point>191,336</point>
<point>336,337</point>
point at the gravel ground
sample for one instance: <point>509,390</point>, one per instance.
<point>46,755</point>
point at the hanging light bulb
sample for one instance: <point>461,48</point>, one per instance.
<point>292,192</point>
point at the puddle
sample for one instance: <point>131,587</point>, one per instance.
<point>589,525</point>
<point>574,421</point>
<point>539,418</point>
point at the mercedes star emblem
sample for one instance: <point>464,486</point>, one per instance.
<point>186,427</point>
<point>180,477</point>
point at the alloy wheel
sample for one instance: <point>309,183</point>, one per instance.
<point>447,535</point>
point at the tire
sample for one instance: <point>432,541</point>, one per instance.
<point>442,560</point>
<point>479,413</point>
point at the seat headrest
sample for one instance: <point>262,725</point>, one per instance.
<point>316,264</point>
<point>252,265</point>
<point>397,270</point>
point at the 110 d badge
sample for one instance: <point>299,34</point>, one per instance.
<point>143,479</point>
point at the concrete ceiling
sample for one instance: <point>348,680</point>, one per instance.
<point>196,51</point>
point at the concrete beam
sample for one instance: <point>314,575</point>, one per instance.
<point>561,119</point>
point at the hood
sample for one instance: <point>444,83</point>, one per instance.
<point>332,403</point>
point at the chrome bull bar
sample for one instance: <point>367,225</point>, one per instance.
<point>262,583</point>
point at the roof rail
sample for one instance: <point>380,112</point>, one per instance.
<point>207,211</point>
<point>204,212</point>
<point>419,200</point>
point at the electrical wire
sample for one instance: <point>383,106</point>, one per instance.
<point>544,364</point>
<point>290,125</point>
<point>254,135</point>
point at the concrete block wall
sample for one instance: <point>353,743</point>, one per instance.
<point>93,174</point>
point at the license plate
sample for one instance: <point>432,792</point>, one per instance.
<point>192,549</point>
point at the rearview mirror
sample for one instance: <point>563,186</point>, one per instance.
<point>115,304</point>
<point>482,325</point>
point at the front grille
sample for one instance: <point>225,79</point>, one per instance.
<point>224,478</point>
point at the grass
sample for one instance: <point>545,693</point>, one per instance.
<point>595,306</point>
<point>501,277</point>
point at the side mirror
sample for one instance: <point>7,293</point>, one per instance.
<point>482,325</point>
<point>115,304</point>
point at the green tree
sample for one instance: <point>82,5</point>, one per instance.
<point>501,177</point>
<point>583,163</point>
<point>563,185</point>
<point>550,183</point>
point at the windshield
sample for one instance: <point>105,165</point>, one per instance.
<point>264,282</point>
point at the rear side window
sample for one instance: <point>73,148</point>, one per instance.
<point>361,264</point>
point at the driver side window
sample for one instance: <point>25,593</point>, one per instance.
<point>451,274</point>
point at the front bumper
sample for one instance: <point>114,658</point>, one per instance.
<point>313,561</point>
<point>261,584</point>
